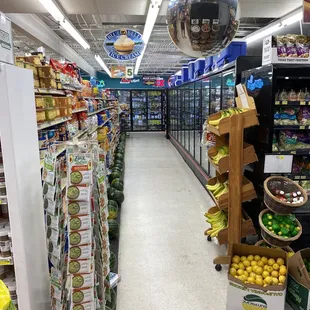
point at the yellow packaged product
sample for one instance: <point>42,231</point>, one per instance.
<point>5,298</point>
<point>50,114</point>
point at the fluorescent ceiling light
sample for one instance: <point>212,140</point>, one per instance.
<point>102,64</point>
<point>148,28</point>
<point>53,9</point>
<point>293,19</point>
<point>74,33</point>
<point>264,33</point>
<point>64,22</point>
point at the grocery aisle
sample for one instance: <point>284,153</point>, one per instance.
<point>165,261</point>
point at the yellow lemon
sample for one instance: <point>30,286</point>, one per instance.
<point>257,258</point>
<point>275,281</point>
<point>264,259</point>
<point>271,261</point>
<point>290,254</point>
<point>242,258</point>
<point>265,274</point>
<point>266,268</point>
<point>270,269</point>
<point>282,279</point>
<point>260,264</point>
<point>245,273</point>
<point>259,270</point>
<point>236,259</point>
<point>253,263</point>
<point>275,267</point>
<point>283,271</point>
<point>236,266</point>
<point>239,272</point>
<point>246,263</point>
<point>250,257</point>
<point>251,280</point>
<point>259,281</point>
<point>243,278</point>
<point>268,280</point>
<point>275,274</point>
<point>241,266</point>
<point>254,268</point>
<point>249,269</point>
<point>233,271</point>
<point>252,275</point>
<point>280,261</point>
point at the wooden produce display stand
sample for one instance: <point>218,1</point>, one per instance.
<point>230,168</point>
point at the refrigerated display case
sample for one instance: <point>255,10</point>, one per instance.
<point>190,105</point>
<point>124,100</point>
<point>146,110</point>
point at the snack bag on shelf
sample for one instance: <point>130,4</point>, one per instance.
<point>5,298</point>
<point>208,138</point>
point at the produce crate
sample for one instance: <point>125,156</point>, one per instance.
<point>249,156</point>
<point>248,191</point>
<point>249,119</point>
<point>247,228</point>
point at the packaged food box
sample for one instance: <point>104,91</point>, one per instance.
<point>48,83</point>
<point>63,112</point>
<point>34,60</point>
<point>81,266</point>
<point>36,83</point>
<point>39,102</point>
<point>41,115</point>
<point>298,287</point>
<point>19,63</point>
<point>82,280</point>
<point>20,58</point>
<point>252,296</point>
<point>57,75</point>
<point>46,72</point>
<point>50,114</point>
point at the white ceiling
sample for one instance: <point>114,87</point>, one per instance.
<point>95,18</point>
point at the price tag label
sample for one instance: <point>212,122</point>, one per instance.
<point>284,102</point>
<point>303,177</point>
<point>293,152</point>
<point>278,163</point>
<point>302,127</point>
<point>5,263</point>
<point>302,102</point>
<point>277,103</point>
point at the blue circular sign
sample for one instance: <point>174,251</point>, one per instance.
<point>123,44</point>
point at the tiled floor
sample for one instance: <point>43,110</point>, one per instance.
<point>165,262</point>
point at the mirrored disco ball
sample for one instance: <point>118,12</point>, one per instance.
<point>202,28</point>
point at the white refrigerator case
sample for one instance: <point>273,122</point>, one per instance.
<point>19,140</point>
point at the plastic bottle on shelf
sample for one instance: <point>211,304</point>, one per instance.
<point>283,95</point>
<point>301,95</point>
<point>292,95</point>
<point>307,94</point>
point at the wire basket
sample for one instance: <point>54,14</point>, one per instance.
<point>286,185</point>
<point>273,239</point>
<point>286,248</point>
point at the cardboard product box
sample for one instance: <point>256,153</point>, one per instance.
<point>251,296</point>
<point>298,287</point>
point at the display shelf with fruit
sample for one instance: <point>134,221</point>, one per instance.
<point>231,154</point>
<point>219,225</point>
<point>219,157</point>
<point>218,188</point>
<point>289,250</point>
<point>219,123</point>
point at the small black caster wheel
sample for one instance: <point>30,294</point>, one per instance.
<point>218,267</point>
<point>209,238</point>
<point>243,240</point>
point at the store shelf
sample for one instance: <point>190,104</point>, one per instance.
<point>71,88</point>
<point>92,130</point>
<point>53,123</point>
<point>46,91</point>
<point>79,110</point>
<point>293,103</point>
<point>100,110</point>
<point>290,127</point>
<point>296,152</point>
<point>93,98</point>
<point>6,261</point>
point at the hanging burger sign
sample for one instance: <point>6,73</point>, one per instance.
<point>123,44</point>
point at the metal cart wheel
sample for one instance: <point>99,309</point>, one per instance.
<point>209,238</point>
<point>218,267</point>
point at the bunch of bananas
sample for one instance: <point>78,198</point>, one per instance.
<point>226,113</point>
<point>218,222</point>
<point>218,189</point>
<point>222,151</point>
